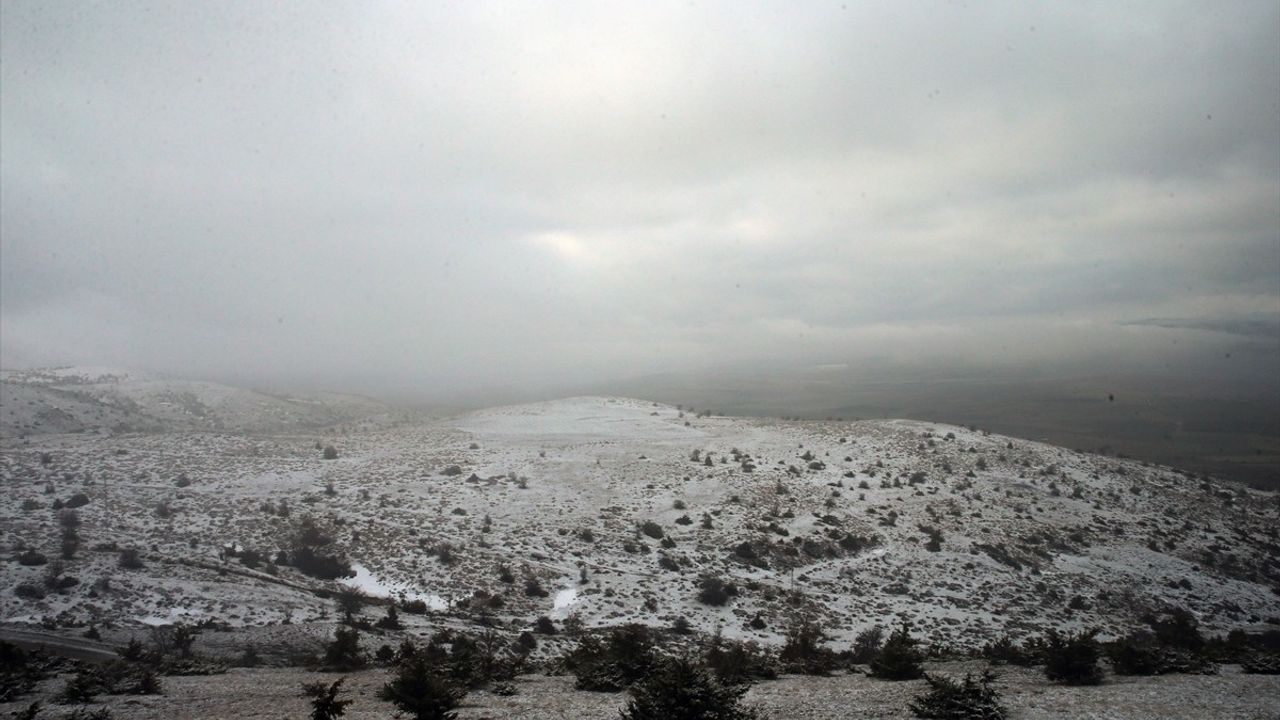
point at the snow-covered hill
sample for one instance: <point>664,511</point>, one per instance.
<point>78,399</point>
<point>620,510</point>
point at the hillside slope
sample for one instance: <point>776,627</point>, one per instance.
<point>80,399</point>
<point>614,510</point>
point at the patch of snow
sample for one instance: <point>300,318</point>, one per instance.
<point>369,584</point>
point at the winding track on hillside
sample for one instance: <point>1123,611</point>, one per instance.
<point>72,647</point>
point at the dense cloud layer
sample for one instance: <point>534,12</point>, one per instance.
<point>437,196</point>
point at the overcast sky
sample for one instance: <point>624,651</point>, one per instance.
<point>449,195</point>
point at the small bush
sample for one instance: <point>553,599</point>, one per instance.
<point>1261,664</point>
<point>31,558</point>
<point>1135,654</point>
<point>344,653</point>
<point>325,704</point>
<point>82,688</point>
<point>330,452</point>
<point>969,699</point>
<point>899,659</point>
<point>1004,650</point>
<point>1072,659</point>
<point>625,656</point>
<point>390,621</point>
<point>1178,629</point>
<point>652,529</point>
<point>77,500</point>
<point>321,565</point>
<point>866,645</point>
<point>421,691</point>
<point>29,591</point>
<point>684,689</point>
<point>739,663</point>
<point>714,591</point>
<point>803,651</point>
<point>130,559</point>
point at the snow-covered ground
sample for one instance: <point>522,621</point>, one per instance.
<point>104,399</point>
<point>964,533</point>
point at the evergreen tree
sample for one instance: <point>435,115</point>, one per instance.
<point>899,659</point>
<point>682,689</point>
<point>344,652</point>
<point>969,699</point>
<point>421,692</point>
<point>1072,659</point>
<point>325,704</point>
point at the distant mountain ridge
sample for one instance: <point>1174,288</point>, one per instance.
<point>91,398</point>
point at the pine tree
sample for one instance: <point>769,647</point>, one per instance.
<point>1072,659</point>
<point>421,692</point>
<point>325,704</point>
<point>899,659</point>
<point>344,652</point>
<point>969,699</point>
<point>682,689</point>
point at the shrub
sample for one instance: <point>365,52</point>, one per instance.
<point>544,625</point>
<point>803,652</point>
<point>182,637</point>
<point>1135,654</point>
<point>20,671</point>
<point>324,566</point>
<point>1178,629</point>
<point>249,658</point>
<point>1261,664</point>
<point>390,621</point>
<point>132,652</point>
<point>866,645</point>
<point>1004,650</point>
<point>31,558</point>
<point>29,590</point>
<point>421,691</point>
<point>624,657</point>
<point>1072,659</point>
<point>330,452</point>
<point>130,559</point>
<point>77,500</point>
<point>533,588</point>
<point>737,663</point>
<point>82,687</point>
<point>969,699</point>
<point>325,704</point>
<point>683,689</point>
<point>714,591</point>
<point>652,529</point>
<point>899,659</point>
<point>344,653</point>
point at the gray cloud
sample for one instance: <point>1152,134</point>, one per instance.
<point>452,196</point>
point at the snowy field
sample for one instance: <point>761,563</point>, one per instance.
<point>965,534</point>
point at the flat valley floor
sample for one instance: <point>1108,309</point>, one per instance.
<point>273,694</point>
